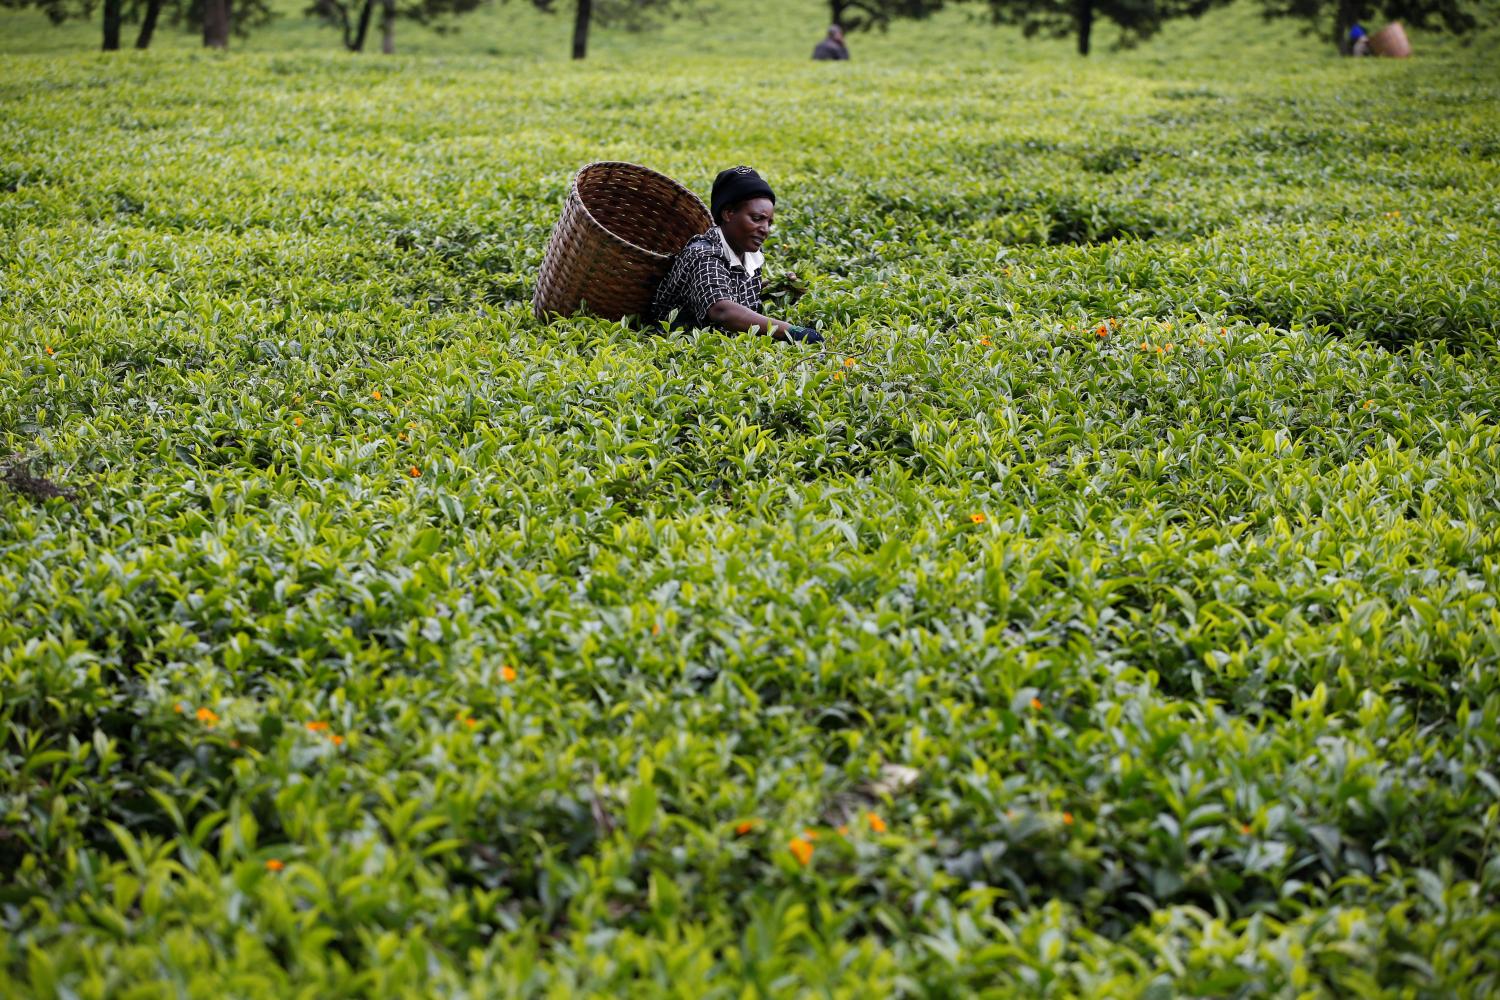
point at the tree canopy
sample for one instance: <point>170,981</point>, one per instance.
<point>353,17</point>
<point>147,13</point>
<point>861,15</point>
<point>1338,16</point>
<point>632,15</point>
<point>1137,19</point>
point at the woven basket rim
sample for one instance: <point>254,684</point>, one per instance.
<point>616,237</point>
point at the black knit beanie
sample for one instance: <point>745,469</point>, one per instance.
<point>735,185</point>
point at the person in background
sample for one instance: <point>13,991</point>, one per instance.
<point>716,279</point>
<point>832,46</point>
<point>1359,41</point>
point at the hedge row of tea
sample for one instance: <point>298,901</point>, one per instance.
<point>1111,610</point>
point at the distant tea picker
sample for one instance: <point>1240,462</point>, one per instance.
<point>633,242</point>
<point>1389,41</point>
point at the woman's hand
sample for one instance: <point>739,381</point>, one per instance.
<point>736,318</point>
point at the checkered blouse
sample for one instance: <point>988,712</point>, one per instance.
<point>702,274</point>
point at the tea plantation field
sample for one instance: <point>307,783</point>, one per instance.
<point>1110,610</point>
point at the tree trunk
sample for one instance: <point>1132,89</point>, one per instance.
<point>148,24</point>
<point>1084,12</point>
<point>339,14</point>
<point>388,26</point>
<point>364,26</point>
<point>581,28</point>
<point>112,12</point>
<point>216,24</point>
<point>1345,16</point>
<point>836,12</point>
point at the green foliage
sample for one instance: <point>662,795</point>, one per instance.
<point>1136,19</point>
<point>244,15</point>
<point>56,11</point>
<point>360,635</point>
<point>353,18</point>
<point>1335,17</point>
<point>862,15</point>
<point>247,14</point>
<point>629,15</point>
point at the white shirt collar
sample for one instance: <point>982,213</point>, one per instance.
<point>752,261</point>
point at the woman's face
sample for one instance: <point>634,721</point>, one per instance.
<point>746,225</point>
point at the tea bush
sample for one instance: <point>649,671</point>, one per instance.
<point>1110,610</point>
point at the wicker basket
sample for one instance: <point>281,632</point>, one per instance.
<point>620,228</point>
<point>1391,41</point>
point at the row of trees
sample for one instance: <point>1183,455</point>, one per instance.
<point>1140,19</point>
<point>353,18</point>
<point>1136,19</point>
<point>213,16</point>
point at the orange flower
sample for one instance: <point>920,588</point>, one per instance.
<point>1103,330</point>
<point>1169,347</point>
<point>273,865</point>
<point>843,829</point>
<point>507,673</point>
<point>977,518</point>
<point>471,722</point>
<point>1067,819</point>
<point>810,834</point>
<point>375,394</point>
<point>838,376</point>
<point>49,351</point>
<point>1113,322</point>
<point>336,739</point>
<point>985,341</point>
<point>401,436</point>
<point>850,362</point>
<point>317,727</point>
<point>1036,704</point>
<point>297,421</point>
<point>1369,404</point>
<point>656,628</point>
<point>414,472</point>
<point>178,708</point>
<point>1245,829</point>
<point>1223,332</point>
<point>1145,346</point>
<point>206,716</point>
<point>801,850</point>
<point>744,827</point>
<point>876,823</point>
